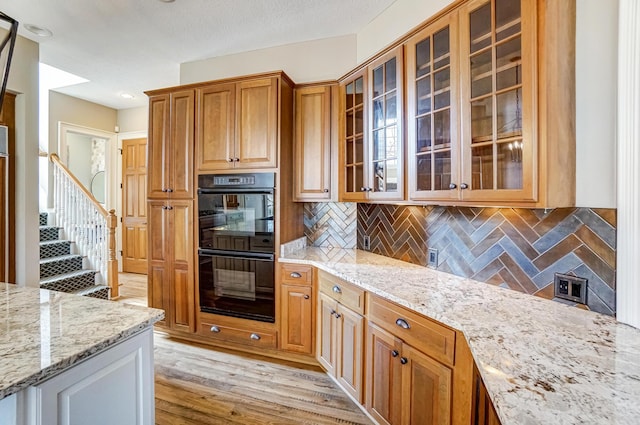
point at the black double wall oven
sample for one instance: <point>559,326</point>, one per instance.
<point>236,245</point>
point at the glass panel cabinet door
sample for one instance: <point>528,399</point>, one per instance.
<point>353,149</point>
<point>432,94</point>
<point>498,121</point>
<point>385,168</point>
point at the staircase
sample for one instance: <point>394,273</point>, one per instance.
<point>60,270</point>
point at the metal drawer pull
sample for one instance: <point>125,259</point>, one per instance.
<point>333,312</point>
<point>338,315</point>
<point>306,297</point>
<point>394,353</point>
<point>215,329</point>
<point>337,289</point>
<point>403,360</point>
<point>403,324</point>
<point>255,336</point>
<point>295,275</point>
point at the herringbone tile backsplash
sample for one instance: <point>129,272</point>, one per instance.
<point>331,224</point>
<point>516,248</point>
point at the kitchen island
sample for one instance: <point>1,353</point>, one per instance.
<point>71,359</point>
<point>542,362</point>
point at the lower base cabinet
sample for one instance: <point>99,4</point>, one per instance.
<point>113,387</point>
<point>405,386</point>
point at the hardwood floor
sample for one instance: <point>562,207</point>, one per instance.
<point>195,384</point>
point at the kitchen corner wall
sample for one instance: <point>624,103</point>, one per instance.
<point>515,248</point>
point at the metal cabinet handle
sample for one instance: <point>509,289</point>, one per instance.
<point>236,159</point>
<point>164,190</point>
<point>363,189</point>
<point>229,159</point>
<point>215,329</point>
<point>306,297</point>
<point>395,353</point>
<point>333,312</point>
<point>404,360</point>
<point>464,186</point>
<point>338,315</point>
<point>403,324</point>
<point>326,191</point>
<point>170,190</point>
<point>452,186</point>
<point>255,337</point>
<point>169,207</point>
<point>337,289</point>
<point>295,275</point>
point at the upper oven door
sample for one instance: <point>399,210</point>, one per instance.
<point>236,219</point>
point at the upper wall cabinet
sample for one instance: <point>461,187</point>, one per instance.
<point>313,129</point>
<point>432,111</point>
<point>237,125</point>
<point>371,131</point>
<point>170,151</point>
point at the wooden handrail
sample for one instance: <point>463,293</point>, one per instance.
<point>54,158</point>
<point>112,223</point>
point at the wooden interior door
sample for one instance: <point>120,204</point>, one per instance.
<point>134,206</point>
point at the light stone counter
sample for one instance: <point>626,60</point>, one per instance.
<point>43,333</point>
<point>542,362</point>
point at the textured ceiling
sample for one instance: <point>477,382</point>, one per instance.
<point>135,45</point>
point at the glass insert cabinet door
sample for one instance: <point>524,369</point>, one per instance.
<point>353,150</point>
<point>498,66</point>
<point>432,99</point>
<point>385,177</point>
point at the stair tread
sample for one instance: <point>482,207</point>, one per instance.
<point>89,290</point>
<point>50,227</point>
<point>67,275</point>
<point>60,241</point>
<point>60,258</point>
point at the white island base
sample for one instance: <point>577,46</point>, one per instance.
<point>114,386</point>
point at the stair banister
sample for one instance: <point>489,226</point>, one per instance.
<point>85,220</point>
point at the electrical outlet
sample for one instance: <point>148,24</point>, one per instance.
<point>432,258</point>
<point>572,288</point>
<point>366,243</point>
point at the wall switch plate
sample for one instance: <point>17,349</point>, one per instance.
<point>366,243</point>
<point>569,287</point>
<point>432,258</point>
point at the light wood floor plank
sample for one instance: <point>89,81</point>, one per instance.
<point>199,385</point>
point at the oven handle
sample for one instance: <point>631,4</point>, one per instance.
<point>260,256</point>
<point>234,190</point>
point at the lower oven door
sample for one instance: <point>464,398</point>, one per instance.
<point>239,284</point>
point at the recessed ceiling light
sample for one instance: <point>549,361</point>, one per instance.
<point>37,30</point>
<point>127,96</point>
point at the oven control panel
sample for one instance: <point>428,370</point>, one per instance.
<point>234,180</point>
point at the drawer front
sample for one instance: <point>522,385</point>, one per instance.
<point>345,293</point>
<point>424,334</point>
<point>256,338</point>
<point>296,274</point>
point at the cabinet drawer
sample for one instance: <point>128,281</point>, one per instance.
<point>424,334</point>
<point>296,274</point>
<point>258,338</point>
<point>341,291</point>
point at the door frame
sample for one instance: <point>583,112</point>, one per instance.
<point>118,188</point>
<point>64,128</point>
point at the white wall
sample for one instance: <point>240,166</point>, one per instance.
<point>393,23</point>
<point>133,119</point>
<point>326,59</point>
<point>596,100</point>
<point>23,79</point>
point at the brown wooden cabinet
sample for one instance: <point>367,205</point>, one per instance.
<point>371,131</point>
<point>314,124</point>
<point>171,140</point>
<point>170,274</point>
<point>237,126</point>
<point>341,333</point>
<point>297,303</point>
<point>491,105</point>
<point>483,411</point>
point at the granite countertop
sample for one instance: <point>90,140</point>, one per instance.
<point>44,332</point>
<point>542,362</point>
